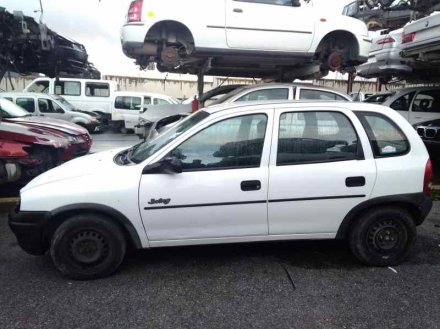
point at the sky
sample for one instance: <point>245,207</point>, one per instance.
<point>96,24</point>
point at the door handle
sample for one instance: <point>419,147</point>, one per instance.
<point>355,181</point>
<point>250,185</point>
<point>237,10</point>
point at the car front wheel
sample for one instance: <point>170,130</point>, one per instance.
<point>383,236</point>
<point>87,246</point>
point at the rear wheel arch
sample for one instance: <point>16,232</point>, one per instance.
<point>60,215</point>
<point>173,33</point>
<point>339,39</point>
<point>406,202</point>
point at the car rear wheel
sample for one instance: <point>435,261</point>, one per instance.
<point>383,236</point>
<point>87,246</point>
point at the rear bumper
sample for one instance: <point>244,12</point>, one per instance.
<point>28,227</point>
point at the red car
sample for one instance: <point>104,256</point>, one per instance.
<point>25,151</point>
<point>79,139</point>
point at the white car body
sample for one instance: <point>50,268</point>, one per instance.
<point>206,207</point>
<point>85,94</point>
<point>52,106</point>
<point>237,32</point>
<point>416,104</point>
<point>127,106</point>
<point>423,39</point>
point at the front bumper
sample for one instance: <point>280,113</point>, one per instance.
<point>28,227</point>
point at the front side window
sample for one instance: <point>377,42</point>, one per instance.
<point>27,103</point>
<point>69,88</point>
<point>229,144</point>
<point>312,137</point>
<point>97,89</point>
<point>403,103</point>
<point>45,106</point>
<point>385,136</point>
<point>427,101</point>
<point>265,94</point>
<point>147,100</point>
<point>128,103</point>
<point>310,94</point>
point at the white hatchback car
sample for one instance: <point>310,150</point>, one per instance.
<point>254,38</point>
<point>237,173</point>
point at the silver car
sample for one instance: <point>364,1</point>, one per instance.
<point>384,59</point>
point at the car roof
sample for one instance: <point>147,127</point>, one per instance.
<point>255,105</point>
<point>23,94</point>
<point>140,93</point>
<point>288,85</point>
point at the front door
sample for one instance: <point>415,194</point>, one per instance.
<point>51,109</point>
<point>320,169</point>
<point>425,106</point>
<point>222,191</point>
<point>269,25</point>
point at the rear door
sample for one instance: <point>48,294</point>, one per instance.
<point>321,167</point>
<point>269,25</point>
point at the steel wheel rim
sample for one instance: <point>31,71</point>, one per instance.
<point>88,247</point>
<point>385,235</point>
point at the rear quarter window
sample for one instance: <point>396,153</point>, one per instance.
<point>386,138</point>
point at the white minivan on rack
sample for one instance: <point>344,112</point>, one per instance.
<point>85,94</point>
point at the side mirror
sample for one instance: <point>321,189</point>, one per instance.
<point>168,165</point>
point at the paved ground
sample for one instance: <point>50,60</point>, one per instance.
<point>277,285</point>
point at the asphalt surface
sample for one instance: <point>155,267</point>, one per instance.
<point>270,285</point>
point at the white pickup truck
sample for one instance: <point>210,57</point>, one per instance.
<point>255,38</point>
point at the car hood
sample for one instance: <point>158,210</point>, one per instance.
<point>30,134</point>
<point>61,125</point>
<point>92,164</point>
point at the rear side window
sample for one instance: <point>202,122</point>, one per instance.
<point>265,94</point>
<point>160,101</point>
<point>97,89</point>
<point>427,101</point>
<point>69,88</point>
<point>310,94</point>
<point>385,136</point>
<point>313,137</point>
<point>128,103</point>
<point>27,103</point>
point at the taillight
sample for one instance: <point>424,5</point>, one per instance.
<point>408,37</point>
<point>385,40</point>
<point>135,11</point>
<point>427,178</point>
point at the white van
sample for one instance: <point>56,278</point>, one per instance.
<point>127,106</point>
<point>85,94</point>
<point>54,106</point>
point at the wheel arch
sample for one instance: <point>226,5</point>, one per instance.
<point>155,32</point>
<point>418,205</point>
<point>346,35</point>
<point>56,217</point>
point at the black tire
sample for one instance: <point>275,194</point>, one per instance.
<point>87,246</point>
<point>383,236</point>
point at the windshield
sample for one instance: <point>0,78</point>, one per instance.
<point>65,103</point>
<point>378,99</point>
<point>11,110</point>
<point>145,150</point>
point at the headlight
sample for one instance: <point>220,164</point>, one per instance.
<point>72,139</point>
